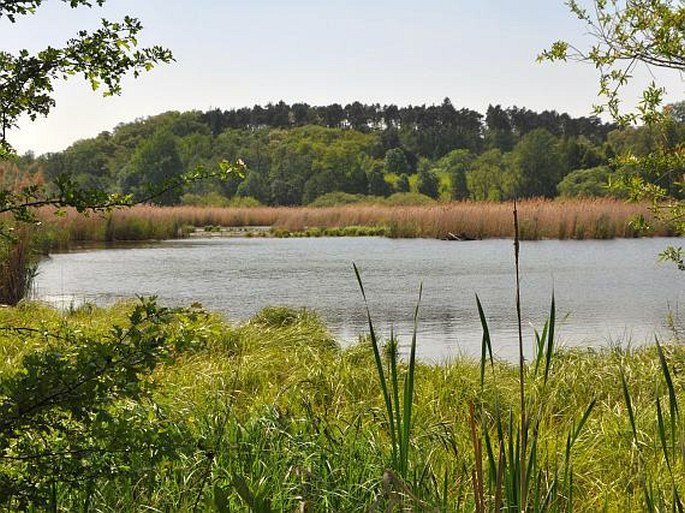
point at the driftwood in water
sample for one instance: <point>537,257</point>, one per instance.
<point>457,237</point>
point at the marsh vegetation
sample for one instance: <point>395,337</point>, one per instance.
<point>273,415</point>
<point>540,219</point>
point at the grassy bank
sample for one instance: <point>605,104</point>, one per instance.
<point>579,219</point>
<point>272,415</point>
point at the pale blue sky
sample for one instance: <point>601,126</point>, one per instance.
<point>239,53</point>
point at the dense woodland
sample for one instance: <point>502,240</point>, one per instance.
<point>298,153</point>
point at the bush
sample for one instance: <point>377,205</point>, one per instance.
<point>279,316</point>
<point>333,199</point>
<point>409,199</point>
<point>585,183</point>
<point>79,404</point>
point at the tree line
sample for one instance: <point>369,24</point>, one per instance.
<point>298,153</point>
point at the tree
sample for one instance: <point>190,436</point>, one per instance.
<point>456,164</point>
<point>255,185</point>
<point>626,34</point>
<point>585,183</point>
<point>103,57</point>
<point>491,177</point>
<point>155,161</point>
<point>498,132</point>
<point>396,162</point>
<point>427,182</point>
<point>378,186</point>
<point>538,164</point>
<point>61,413</point>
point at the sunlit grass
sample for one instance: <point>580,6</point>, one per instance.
<point>281,417</point>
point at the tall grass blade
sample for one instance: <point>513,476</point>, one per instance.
<point>501,464</point>
<point>551,492</point>
<point>677,503</point>
<point>409,389</point>
<point>662,434</point>
<point>522,362</point>
<point>379,368</point>
<point>581,423</point>
<point>492,464</point>
<point>672,397</point>
<point>549,350</point>
<point>669,455</point>
<point>486,343</point>
<point>477,474</point>
<point>649,501</point>
<point>531,464</point>
<point>445,485</point>
<point>540,339</point>
<point>629,405</point>
<point>395,398</point>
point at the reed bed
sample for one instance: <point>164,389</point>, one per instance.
<point>539,219</point>
<point>17,265</point>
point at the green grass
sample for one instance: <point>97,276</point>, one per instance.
<point>274,415</point>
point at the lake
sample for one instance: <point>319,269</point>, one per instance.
<point>607,292</point>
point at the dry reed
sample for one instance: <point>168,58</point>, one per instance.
<point>539,219</point>
<point>17,266</point>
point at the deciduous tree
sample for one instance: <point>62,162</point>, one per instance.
<point>626,34</point>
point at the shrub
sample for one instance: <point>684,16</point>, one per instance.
<point>333,199</point>
<point>409,199</point>
<point>78,405</point>
<point>585,183</point>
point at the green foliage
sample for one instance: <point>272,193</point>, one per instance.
<point>427,182</point>
<point>378,185</point>
<point>102,57</point>
<point>273,413</point>
<point>77,409</point>
<point>155,161</point>
<point>333,199</point>
<point>280,316</point>
<point>396,162</point>
<point>491,177</point>
<point>293,164</point>
<point>625,35</point>
<point>585,183</point>
<point>409,199</point>
<point>402,184</point>
<point>537,164</point>
<point>455,165</point>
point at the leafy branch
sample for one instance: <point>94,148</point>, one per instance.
<point>103,57</point>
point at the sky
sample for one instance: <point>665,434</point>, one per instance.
<point>232,54</point>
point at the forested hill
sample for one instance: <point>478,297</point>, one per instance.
<point>297,153</point>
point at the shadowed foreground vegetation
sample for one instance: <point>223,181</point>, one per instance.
<point>540,219</point>
<point>273,415</point>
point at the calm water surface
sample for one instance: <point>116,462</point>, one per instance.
<point>606,291</point>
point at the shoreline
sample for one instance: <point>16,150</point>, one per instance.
<point>538,220</point>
